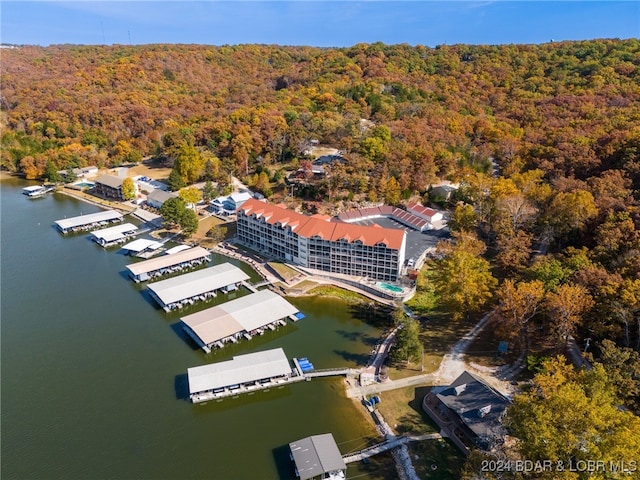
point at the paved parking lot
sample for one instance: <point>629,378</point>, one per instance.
<point>417,242</point>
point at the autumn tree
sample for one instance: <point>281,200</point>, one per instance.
<point>463,218</point>
<point>128,189</point>
<point>188,162</point>
<point>513,251</point>
<point>622,365</point>
<point>33,167</point>
<point>462,278</point>
<point>565,308</point>
<point>518,304</point>
<point>571,415</point>
<point>190,196</point>
<point>217,233</point>
<point>570,211</point>
<point>392,192</point>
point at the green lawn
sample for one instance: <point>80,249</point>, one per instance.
<point>285,271</point>
<point>438,333</point>
<point>436,460</point>
<point>402,410</point>
<point>432,459</point>
<point>341,293</point>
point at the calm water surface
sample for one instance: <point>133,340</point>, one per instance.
<point>94,374</point>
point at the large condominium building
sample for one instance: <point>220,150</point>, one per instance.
<point>319,243</point>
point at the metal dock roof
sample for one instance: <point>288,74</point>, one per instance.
<point>74,222</point>
<point>316,455</point>
<point>195,283</point>
<point>167,261</point>
<point>241,369</point>
<point>142,244</point>
<point>242,314</point>
<point>112,234</point>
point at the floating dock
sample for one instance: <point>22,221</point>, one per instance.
<point>108,237</point>
<point>142,247</point>
<point>89,222</point>
<point>187,289</point>
<point>243,374</point>
<point>233,320</point>
<point>169,263</point>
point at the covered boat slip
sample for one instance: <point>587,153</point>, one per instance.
<point>108,237</point>
<point>244,373</point>
<point>88,222</point>
<point>195,286</point>
<point>169,263</point>
<point>142,246</point>
<point>318,457</point>
<point>233,320</point>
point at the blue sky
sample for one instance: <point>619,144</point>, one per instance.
<point>316,23</point>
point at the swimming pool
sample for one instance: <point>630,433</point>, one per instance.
<point>390,287</point>
<point>85,184</point>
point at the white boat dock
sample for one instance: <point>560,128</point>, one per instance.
<point>243,374</point>
<point>142,247</point>
<point>108,237</point>
<point>89,221</point>
<point>231,321</point>
<point>167,264</point>
<point>176,292</point>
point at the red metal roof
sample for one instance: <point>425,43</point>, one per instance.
<point>421,210</point>
<point>310,226</point>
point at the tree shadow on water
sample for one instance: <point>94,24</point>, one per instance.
<point>359,337</point>
<point>360,359</point>
<point>372,313</point>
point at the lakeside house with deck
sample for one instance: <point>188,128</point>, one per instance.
<point>109,186</point>
<point>469,411</point>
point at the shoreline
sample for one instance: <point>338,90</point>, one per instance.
<point>95,200</point>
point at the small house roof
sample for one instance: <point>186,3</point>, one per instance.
<point>160,195</point>
<point>109,181</point>
<point>477,404</point>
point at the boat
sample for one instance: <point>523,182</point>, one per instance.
<point>36,191</point>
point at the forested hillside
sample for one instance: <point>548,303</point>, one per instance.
<point>545,140</point>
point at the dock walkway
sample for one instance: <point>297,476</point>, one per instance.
<point>332,372</point>
<point>388,444</point>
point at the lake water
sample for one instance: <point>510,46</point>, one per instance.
<point>94,374</point>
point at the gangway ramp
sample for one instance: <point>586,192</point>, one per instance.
<point>331,372</point>
<point>389,444</point>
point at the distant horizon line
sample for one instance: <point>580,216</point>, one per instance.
<point>18,45</point>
